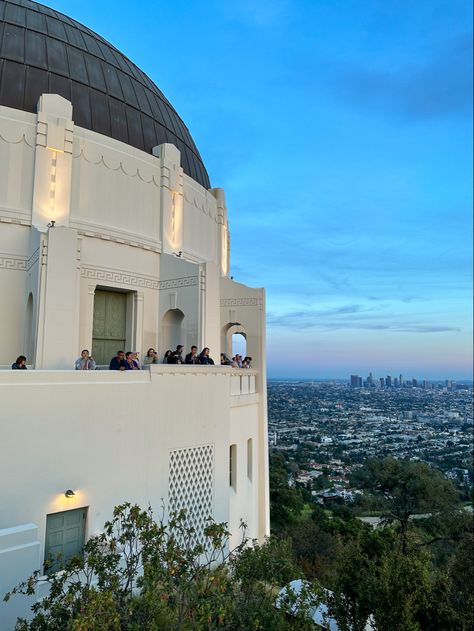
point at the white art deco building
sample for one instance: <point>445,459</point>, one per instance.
<point>112,238</point>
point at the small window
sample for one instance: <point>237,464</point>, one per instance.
<point>233,467</point>
<point>65,537</point>
<point>250,459</point>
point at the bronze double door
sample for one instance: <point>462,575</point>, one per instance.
<point>109,327</point>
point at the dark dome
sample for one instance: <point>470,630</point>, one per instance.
<point>43,51</point>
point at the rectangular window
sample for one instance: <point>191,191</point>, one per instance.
<point>233,467</point>
<point>249,459</point>
<point>65,537</point>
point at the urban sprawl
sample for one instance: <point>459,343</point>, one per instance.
<point>327,429</point>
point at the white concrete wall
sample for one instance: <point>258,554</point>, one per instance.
<point>243,310</point>
<point>108,436</point>
<point>126,208</point>
<point>121,216</point>
<point>19,558</point>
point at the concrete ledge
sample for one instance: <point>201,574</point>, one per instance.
<point>11,378</point>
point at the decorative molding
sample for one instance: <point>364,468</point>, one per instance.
<point>100,274</point>
<point>14,263</point>
<point>21,139</point>
<point>174,283</point>
<point>121,165</point>
<point>15,220</point>
<point>240,302</point>
<point>107,237</point>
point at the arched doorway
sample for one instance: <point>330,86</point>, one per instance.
<point>239,344</point>
<point>172,332</point>
<point>234,339</point>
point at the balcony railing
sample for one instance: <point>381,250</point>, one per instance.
<point>243,381</point>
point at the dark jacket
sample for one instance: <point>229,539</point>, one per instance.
<point>175,358</point>
<point>16,366</point>
<point>117,364</point>
<point>206,360</point>
<point>189,359</point>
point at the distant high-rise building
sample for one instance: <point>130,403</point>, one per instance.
<point>382,382</point>
<point>388,381</point>
<point>360,382</point>
<point>401,380</point>
<point>354,381</point>
<point>395,382</point>
<point>414,382</point>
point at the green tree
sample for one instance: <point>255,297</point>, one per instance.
<point>146,575</point>
<point>376,580</point>
<point>452,605</point>
<point>286,503</point>
<point>407,489</point>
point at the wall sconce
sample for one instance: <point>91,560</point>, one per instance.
<point>69,493</point>
<point>51,224</point>
<point>179,254</point>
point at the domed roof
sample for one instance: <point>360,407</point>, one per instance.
<point>43,51</point>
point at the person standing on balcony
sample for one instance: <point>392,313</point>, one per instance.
<point>204,357</point>
<point>131,364</point>
<point>20,363</point>
<point>85,361</point>
<point>151,357</point>
<point>118,362</point>
<point>177,356</point>
<point>192,357</point>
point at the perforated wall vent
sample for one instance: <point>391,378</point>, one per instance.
<point>191,485</point>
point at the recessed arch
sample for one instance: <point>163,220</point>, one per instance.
<point>172,332</point>
<point>237,330</point>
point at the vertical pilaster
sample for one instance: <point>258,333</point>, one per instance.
<point>171,197</point>
<point>53,162</point>
<point>138,313</point>
<point>223,236</point>
<point>86,317</point>
<point>58,333</point>
<point>209,309</point>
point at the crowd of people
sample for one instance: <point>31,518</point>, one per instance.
<point>131,360</point>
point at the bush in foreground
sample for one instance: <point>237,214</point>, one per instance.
<point>141,574</point>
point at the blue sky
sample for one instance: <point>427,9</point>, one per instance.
<point>342,134</point>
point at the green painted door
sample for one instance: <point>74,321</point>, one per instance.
<point>65,536</point>
<point>108,332</point>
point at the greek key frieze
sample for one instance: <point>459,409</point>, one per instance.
<point>239,302</point>
<point>14,263</point>
<point>174,283</point>
<point>121,278</point>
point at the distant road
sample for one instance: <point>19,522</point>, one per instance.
<point>375,520</point>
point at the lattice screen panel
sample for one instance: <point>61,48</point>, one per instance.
<point>191,485</point>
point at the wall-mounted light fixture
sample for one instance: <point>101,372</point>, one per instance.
<point>178,254</point>
<point>69,493</point>
<point>51,223</point>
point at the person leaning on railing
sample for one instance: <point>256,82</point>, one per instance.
<point>20,363</point>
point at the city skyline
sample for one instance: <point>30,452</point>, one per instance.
<point>341,134</point>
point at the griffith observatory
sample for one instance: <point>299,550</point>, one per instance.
<point>111,237</point>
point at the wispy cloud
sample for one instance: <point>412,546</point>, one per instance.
<point>361,318</point>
